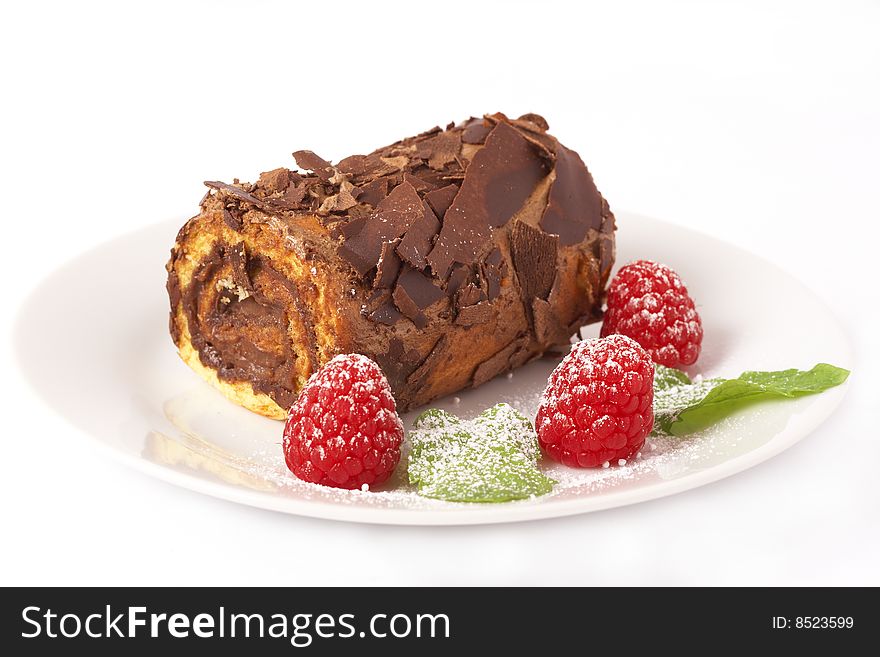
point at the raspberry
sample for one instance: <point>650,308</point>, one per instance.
<point>648,302</point>
<point>343,430</point>
<point>598,403</point>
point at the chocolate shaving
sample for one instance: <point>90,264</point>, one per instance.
<point>537,120</point>
<point>457,278</point>
<point>469,295</point>
<point>292,197</point>
<point>408,307</point>
<point>441,199</point>
<point>342,200</point>
<point>440,149</point>
<point>275,180</point>
<point>359,165</point>
<point>374,192</point>
<point>419,239</point>
<point>392,218</point>
<point>574,205</point>
<point>242,196</point>
<point>308,161</point>
<point>479,313</point>
<point>414,293</point>
<point>351,228</point>
<point>433,179</point>
<point>418,184</point>
<point>503,174</point>
<point>493,283</point>
<point>388,267</point>
<point>396,163</point>
<point>427,133</point>
<point>363,169</point>
<point>420,288</point>
<point>530,131</point>
<point>534,260</point>
<point>476,131</point>
<point>397,363</point>
<point>493,270</point>
<point>235,192</point>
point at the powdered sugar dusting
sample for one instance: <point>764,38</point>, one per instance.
<point>663,458</point>
<point>234,446</point>
<point>492,458</point>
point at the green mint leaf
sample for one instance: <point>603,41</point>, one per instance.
<point>687,407</point>
<point>492,458</point>
<point>673,393</point>
<point>666,378</point>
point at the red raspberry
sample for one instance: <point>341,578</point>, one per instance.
<point>343,430</point>
<point>598,403</point>
<point>648,302</point>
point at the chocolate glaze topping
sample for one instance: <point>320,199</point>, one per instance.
<point>503,174</point>
<point>534,257</point>
<point>393,216</point>
<point>441,199</point>
<point>575,205</point>
<point>467,226</point>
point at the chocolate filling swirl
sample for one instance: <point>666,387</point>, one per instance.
<point>238,312</point>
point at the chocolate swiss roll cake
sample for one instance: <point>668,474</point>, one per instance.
<point>448,258</point>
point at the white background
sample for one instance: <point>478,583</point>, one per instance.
<point>758,123</point>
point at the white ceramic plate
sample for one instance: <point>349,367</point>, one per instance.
<point>93,342</point>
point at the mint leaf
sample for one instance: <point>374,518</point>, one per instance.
<point>682,406</point>
<point>666,378</point>
<point>492,458</point>
<point>673,393</point>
